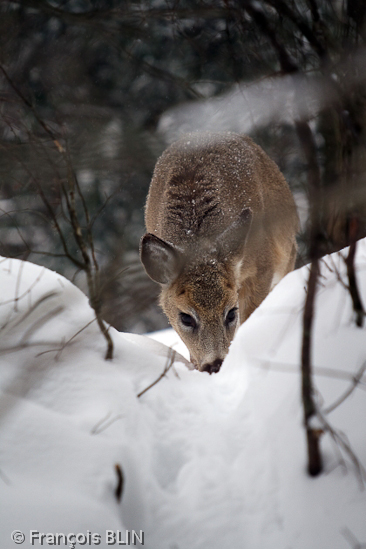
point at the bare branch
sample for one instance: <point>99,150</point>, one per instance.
<point>314,457</point>
<point>103,424</point>
<point>41,322</point>
<point>355,381</point>
<point>120,482</point>
<point>352,279</point>
<point>28,290</point>
<point>92,278</point>
<point>294,369</point>
<point>351,538</point>
<point>66,343</point>
<point>42,299</point>
<point>341,440</point>
<point>168,365</point>
<point>285,10</point>
<point>26,345</point>
<point>5,478</point>
<point>30,106</point>
<point>287,64</point>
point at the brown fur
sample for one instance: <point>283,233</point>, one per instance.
<point>221,225</point>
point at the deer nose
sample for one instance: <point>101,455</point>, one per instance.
<point>214,367</point>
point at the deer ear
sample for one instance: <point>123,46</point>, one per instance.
<point>160,259</point>
<point>233,239</point>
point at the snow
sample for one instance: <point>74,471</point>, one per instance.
<point>249,106</point>
<point>208,461</point>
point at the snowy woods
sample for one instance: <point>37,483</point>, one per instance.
<point>103,429</point>
<point>193,460</point>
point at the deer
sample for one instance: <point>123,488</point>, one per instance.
<point>221,233</point>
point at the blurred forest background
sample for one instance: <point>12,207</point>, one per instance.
<point>93,91</point>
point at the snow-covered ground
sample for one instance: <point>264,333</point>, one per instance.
<point>213,462</point>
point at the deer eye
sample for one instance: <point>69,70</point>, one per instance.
<point>231,316</point>
<point>187,320</point>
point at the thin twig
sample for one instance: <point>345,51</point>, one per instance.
<point>294,369</point>
<point>41,322</point>
<point>103,424</point>
<point>342,441</point>
<point>120,482</point>
<point>334,270</point>
<point>42,299</point>
<point>28,290</point>
<point>4,478</point>
<point>25,345</point>
<point>8,214</point>
<point>30,106</point>
<point>351,538</point>
<point>168,365</point>
<point>351,273</point>
<point>355,381</point>
<point>92,278</point>
<point>20,270</point>
<point>62,347</point>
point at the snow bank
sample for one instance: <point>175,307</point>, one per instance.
<point>208,461</point>
<point>246,107</point>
